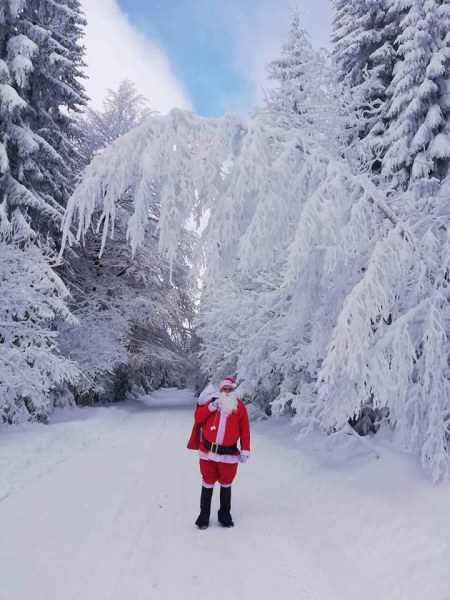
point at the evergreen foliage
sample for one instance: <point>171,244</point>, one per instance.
<point>40,69</point>
<point>298,74</point>
<point>416,141</point>
<point>33,372</point>
<point>364,50</point>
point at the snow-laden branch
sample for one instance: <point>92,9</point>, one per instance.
<point>174,160</point>
<point>323,291</point>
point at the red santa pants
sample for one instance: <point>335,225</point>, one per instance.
<point>213,471</point>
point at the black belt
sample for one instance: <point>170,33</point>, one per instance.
<point>218,449</point>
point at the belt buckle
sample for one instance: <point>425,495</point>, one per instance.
<point>214,448</point>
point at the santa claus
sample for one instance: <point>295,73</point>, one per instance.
<point>221,421</point>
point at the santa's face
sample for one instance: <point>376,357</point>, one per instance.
<point>227,402</point>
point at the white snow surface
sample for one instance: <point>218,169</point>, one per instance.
<point>101,504</point>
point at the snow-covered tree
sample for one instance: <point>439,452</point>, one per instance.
<point>296,72</point>
<point>40,69</point>
<point>391,340</point>
<point>134,313</point>
<point>303,95</point>
<point>364,34</point>
<point>305,260</point>
<point>416,141</point>
<point>134,322</point>
<point>33,373</point>
<point>122,110</point>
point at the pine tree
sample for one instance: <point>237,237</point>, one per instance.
<point>364,34</point>
<point>292,72</point>
<point>416,142</point>
<point>300,72</point>
<point>41,62</point>
<point>33,371</point>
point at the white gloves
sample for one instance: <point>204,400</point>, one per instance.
<point>213,406</point>
<point>243,458</point>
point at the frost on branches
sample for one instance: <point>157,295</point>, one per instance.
<point>364,33</point>
<point>315,290</point>
<point>135,313</point>
<point>390,345</point>
<point>33,372</point>
<point>134,324</point>
<point>123,109</point>
<point>40,70</point>
<point>416,140</point>
<point>176,159</point>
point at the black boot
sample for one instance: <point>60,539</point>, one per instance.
<point>205,508</point>
<point>224,514</point>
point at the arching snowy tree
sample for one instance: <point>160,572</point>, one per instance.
<point>134,314</point>
<point>306,260</point>
<point>391,341</point>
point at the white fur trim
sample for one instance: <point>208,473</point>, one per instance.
<point>221,429</point>
<point>245,452</point>
<point>207,485</point>
<point>208,394</point>
<point>226,382</point>
<point>225,458</point>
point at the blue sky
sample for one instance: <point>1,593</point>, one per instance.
<point>209,55</point>
<point>197,45</point>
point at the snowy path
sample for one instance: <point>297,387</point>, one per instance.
<point>110,517</point>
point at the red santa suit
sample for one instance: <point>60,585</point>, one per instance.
<point>215,431</point>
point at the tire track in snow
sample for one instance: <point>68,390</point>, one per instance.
<point>126,530</point>
<point>132,500</point>
<point>282,518</point>
<point>306,576</point>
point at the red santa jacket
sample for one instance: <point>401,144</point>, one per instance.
<point>217,428</point>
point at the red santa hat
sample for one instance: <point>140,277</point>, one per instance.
<point>227,381</point>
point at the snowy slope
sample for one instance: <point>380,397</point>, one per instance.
<point>101,504</point>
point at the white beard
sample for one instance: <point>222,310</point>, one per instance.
<point>227,403</point>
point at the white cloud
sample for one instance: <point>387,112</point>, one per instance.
<point>258,38</point>
<point>115,51</point>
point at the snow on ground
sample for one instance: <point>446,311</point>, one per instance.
<point>101,504</point>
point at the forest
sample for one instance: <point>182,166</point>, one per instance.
<point>305,251</point>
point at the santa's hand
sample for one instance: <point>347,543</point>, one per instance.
<point>213,406</point>
<point>243,458</point>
